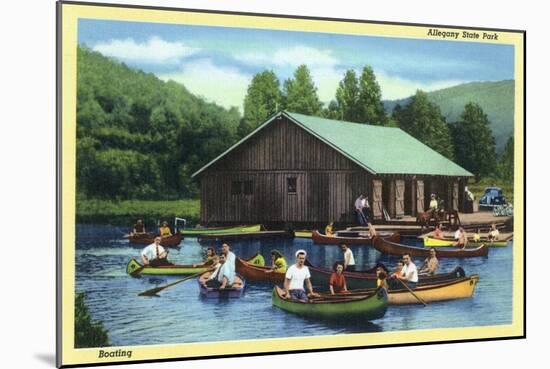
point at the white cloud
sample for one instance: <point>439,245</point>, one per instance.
<point>155,50</point>
<point>225,86</point>
<point>291,57</point>
<point>394,87</point>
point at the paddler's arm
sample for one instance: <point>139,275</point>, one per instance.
<point>286,287</point>
<point>224,283</point>
<point>310,288</point>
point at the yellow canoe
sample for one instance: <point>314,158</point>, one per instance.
<point>302,234</point>
<point>434,242</point>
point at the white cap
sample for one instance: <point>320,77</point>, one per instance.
<point>301,252</point>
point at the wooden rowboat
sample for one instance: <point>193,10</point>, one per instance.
<point>436,242</point>
<point>134,268</point>
<point>367,279</point>
<point>147,239</point>
<point>258,273</point>
<point>220,230</point>
<point>337,240</point>
<point>246,235</point>
<point>355,308</point>
<point>386,246</point>
<point>235,291</point>
<point>460,288</point>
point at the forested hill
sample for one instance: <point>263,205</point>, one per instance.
<point>495,98</point>
<point>140,137</point>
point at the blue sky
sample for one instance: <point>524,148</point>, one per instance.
<point>219,62</point>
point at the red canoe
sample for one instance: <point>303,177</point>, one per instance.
<point>147,239</point>
<point>337,240</point>
<point>257,273</point>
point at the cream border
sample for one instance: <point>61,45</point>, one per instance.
<point>71,356</point>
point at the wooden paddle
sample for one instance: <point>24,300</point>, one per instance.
<point>411,291</point>
<point>154,291</point>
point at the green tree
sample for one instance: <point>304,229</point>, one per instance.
<point>262,100</point>
<point>300,93</point>
<point>347,97</point>
<point>474,142</point>
<point>423,120</point>
<point>87,332</point>
<point>506,162</point>
<point>370,108</point>
<point>332,111</point>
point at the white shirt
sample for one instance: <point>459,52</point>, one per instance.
<point>297,277</point>
<point>230,262</point>
<point>494,233</point>
<point>150,252</point>
<point>215,272</point>
<point>359,203</point>
<point>408,269</point>
<point>457,234</point>
<point>348,258</point>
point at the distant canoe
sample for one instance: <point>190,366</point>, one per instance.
<point>445,242</point>
<point>258,273</point>
<point>220,230</point>
<point>134,268</point>
<point>336,240</point>
<point>247,235</point>
<point>235,291</point>
<point>350,309</point>
<point>302,234</point>
<point>147,239</point>
<point>460,288</point>
<point>386,246</point>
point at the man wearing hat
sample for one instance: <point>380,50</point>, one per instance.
<point>295,277</point>
<point>433,202</point>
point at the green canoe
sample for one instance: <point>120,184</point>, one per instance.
<point>211,231</point>
<point>134,268</point>
<point>350,309</point>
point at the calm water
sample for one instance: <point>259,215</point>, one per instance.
<point>180,315</point>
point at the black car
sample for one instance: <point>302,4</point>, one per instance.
<point>492,197</point>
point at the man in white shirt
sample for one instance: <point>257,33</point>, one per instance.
<point>360,203</point>
<point>409,273</point>
<point>349,260</point>
<point>223,277</point>
<point>155,254</point>
<point>295,277</point>
<point>229,256</point>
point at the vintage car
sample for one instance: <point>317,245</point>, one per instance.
<point>492,197</point>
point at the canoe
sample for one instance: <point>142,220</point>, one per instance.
<point>219,230</point>
<point>367,278</point>
<point>355,308</point>
<point>460,288</point>
<point>302,234</point>
<point>134,268</point>
<point>257,273</point>
<point>337,240</point>
<point>435,242</point>
<point>147,239</point>
<point>246,235</point>
<point>386,246</point>
<point>235,291</point>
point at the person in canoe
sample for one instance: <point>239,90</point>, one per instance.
<point>295,277</point>
<point>329,230</point>
<point>230,257</point>
<point>139,228</point>
<point>396,274</point>
<point>462,239</point>
<point>477,236</point>
<point>381,278</point>
<point>337,281</point>
<point>155,254</point>
<point>164,230</point>
<point>493,233</point>
<point>431,264</point>
<point>349,260</point>
<point>224,276</point>
<point>372,230</point>
<point>209,259</point>
<point>438,232</point>
<point>278,262</point>
<point>409,273</point>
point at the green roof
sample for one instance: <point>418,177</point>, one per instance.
<point>380,150</point>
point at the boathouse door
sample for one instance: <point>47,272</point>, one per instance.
<point>377,203</point>
<point>419,196</point>
<point>399,198</point>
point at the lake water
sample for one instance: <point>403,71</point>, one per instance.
<point>180,315</point>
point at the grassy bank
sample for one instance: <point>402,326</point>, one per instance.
<point>478,189</point>
<point>128,211</point>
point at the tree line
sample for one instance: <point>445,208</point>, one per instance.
<point>142,138</point>
<point>468,141</point>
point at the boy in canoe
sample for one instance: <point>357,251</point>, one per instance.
<point>349,260</point>
<point>295,277</point>
<point>431,264</point>
<point>155,254</point>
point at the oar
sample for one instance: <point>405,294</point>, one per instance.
<point>411,291</point>
<point>154,291</point>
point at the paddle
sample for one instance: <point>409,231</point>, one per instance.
<point>154,291</point>
<point>411,291</point>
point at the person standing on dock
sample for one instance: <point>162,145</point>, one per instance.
<point>349,260</point>
<point>155,254</point>
<point>360,203</point>
<point>295,277</point>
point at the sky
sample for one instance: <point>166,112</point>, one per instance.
<point>218,63</point>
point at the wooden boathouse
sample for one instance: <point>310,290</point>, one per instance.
<point>309,170</point>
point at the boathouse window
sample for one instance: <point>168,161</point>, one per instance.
<point>291,185</point>
<point>236,188</point>
<point>248,188</point>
